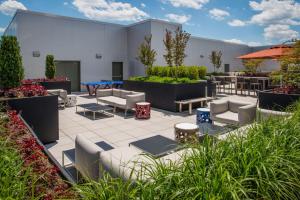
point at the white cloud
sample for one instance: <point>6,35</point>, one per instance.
<point>237,41</point>
<point>237,22</point>
<point>195,4</point>
<point>9,7</point>
<point>66,3</point>
<point>276,12</point>
<point>143,5</point>
<point>2,29</point>
<point>178,18</point>
<point>279,32</point>
<point>218,14</point>
<point>109,10</point>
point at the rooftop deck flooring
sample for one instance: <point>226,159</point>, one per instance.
<point>119,131</point>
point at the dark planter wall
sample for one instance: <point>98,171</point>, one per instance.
<point>41,114</point>
<point>276,101</point>
<point>163,96</point>
<point>66,85</point>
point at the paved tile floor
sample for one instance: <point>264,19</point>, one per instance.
<point>117,130</point>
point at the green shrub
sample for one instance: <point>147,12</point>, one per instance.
<point>50,67</point>
<point>202,72</point>
<point>193,73</point>
<point>14,178</point>
<point>11,67</point>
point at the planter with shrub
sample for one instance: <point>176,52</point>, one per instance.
<point>26,170</point>
<point>38,108</point>
<point>165,85</point>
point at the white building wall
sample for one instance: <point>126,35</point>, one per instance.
<point>69,39</point>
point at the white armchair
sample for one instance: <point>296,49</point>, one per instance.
<point>232,112</point>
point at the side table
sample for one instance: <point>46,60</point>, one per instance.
<point>142,110</point>
<point>71,100</point>
<point>186,132</point>
<point>203,115</point>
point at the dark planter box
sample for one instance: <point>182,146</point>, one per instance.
<point>276,101</point>
<point>163,95</point>
<point>40,113</point>
<point>49,85</point>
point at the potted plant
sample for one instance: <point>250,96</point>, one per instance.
<point>39,109</point>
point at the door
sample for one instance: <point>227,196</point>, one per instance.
<point>226,68</point>
<point>117,71</point>
<point>71,70</point>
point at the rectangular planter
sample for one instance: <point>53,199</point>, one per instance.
<point>50,85</point>
<point>276,101</point>
<point>163,95</point>
<point>40,113</point>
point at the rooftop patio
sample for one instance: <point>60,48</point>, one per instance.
<point>117,130</point>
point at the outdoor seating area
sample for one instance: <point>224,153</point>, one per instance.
<point>122,116</point>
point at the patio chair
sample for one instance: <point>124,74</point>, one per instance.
<point>62,96</point>
<point>232,112</point>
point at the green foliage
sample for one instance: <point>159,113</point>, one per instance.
<point>290,66</point>
<point>263,163</point>
<point>168,42</point>
<point>180,41</point>
<point>14,178</point>
<point>158,79</point>
<point>50,67</point>
<point>202,72</point>
<point>252,65</point>
<point>146,55</point>
<point>191,72</point>
<point>216,59</point>
<point>175,47</point>
<point>11,68</point>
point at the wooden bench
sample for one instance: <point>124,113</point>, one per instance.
<point>191,101</point>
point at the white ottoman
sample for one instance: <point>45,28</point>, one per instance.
<point>71,100</point>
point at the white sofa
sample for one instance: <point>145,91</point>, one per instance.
<point>119,98</point>
<point>232,112</point>
<point>62,96</point>
<point>125,162</point>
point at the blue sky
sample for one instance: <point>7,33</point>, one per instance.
<point>256,22</point>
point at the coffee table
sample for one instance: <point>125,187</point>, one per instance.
<point>157,145</point>
<point>95,108</point>
<point>213,130</point>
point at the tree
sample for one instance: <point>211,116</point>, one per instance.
<point>179,44</point>
<point>11,67</point>
<point>290,65</point>
<point>168,42</point>
<point>50,67</point>
<point>216,59</point>
<point>252,65</point>
<point>146,55</point>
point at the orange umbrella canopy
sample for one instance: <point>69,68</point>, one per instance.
<point>272,53</point>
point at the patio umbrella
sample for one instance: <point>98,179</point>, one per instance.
<point>271,53</point>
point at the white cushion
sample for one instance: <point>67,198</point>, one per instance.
<point>227,117</point>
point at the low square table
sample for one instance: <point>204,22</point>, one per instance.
<point>213,130</point>
<point>157,145</point>
<point>95,108</point>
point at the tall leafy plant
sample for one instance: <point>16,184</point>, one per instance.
<point>252,65</point>
<point>11,67</point>
<point>168,42</point>
<point>179,44</point>
<point>216,59</point>
<point>146,55</point>
<point>50,67</point>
